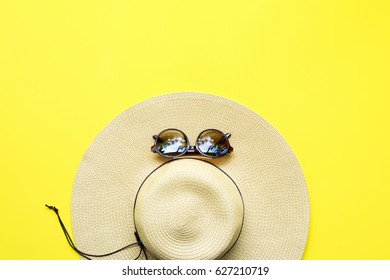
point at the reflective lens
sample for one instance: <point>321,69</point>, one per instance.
<point>171,143</point>
<point>213,143</point>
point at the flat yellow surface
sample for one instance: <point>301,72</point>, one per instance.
<point>318,71</point>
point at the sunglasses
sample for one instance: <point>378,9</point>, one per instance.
<point>211,143</point>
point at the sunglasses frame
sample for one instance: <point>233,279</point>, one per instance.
<point>189,148</point>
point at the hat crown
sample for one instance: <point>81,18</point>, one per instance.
<point>188,209</point>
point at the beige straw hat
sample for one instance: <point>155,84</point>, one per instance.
<point>249,204</point>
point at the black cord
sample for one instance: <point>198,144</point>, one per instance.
<point>86,255</point>
<point>138,243</point>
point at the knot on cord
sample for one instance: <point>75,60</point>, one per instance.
<point>52,208</point>
<point>139,242</point>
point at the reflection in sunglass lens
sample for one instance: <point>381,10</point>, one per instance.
<point>213,143</point>
<point>171,143</point>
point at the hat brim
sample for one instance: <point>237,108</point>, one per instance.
<point>262,165</point>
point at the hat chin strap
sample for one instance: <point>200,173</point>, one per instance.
<point>87,255</point>
<point>186,208</point>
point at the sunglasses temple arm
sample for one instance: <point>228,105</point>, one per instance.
<point>226,136</point>
<point>156,139</point>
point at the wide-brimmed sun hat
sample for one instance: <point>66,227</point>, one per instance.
<point>251,203</point>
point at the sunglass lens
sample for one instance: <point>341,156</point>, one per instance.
<point>171,143</point>
<point>213,143</point>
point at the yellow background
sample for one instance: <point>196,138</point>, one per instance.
<point>318,71</point>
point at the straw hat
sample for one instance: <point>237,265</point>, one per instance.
<point>249,204</point>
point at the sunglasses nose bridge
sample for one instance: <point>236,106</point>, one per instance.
<point>191,149</point>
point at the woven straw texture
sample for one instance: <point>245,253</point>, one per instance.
<point>273,189</point>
